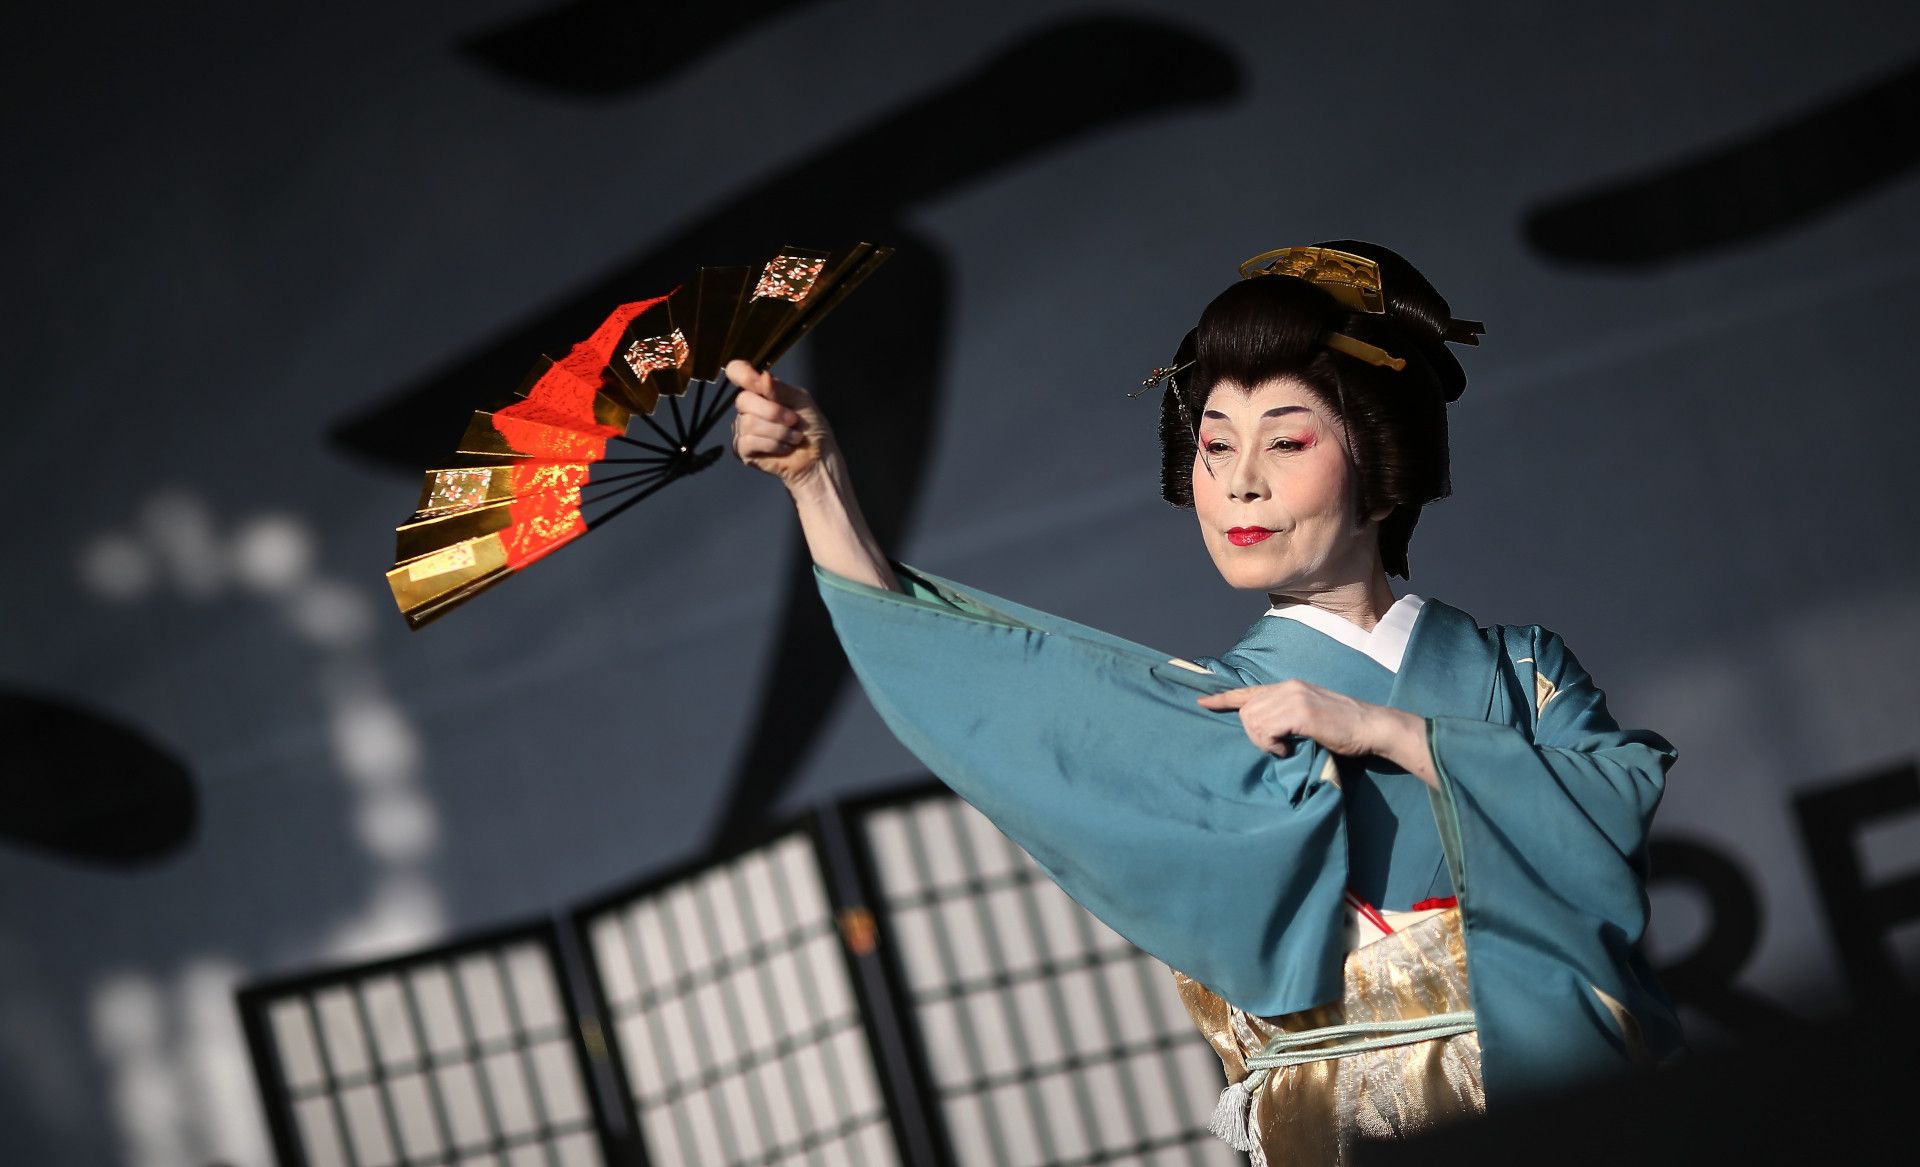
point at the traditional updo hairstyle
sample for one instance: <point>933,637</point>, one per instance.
<point>1396,422</point>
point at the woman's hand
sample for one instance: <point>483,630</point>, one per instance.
<point>1272,713</point>
<point>777,428</point>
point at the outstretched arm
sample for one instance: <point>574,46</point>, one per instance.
<point>778,429</point>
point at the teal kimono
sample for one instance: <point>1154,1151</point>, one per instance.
<point>1230,864</point>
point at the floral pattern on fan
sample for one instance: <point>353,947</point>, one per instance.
<point>788,277</point>
<point>459,489</point>
<point>656,353</point>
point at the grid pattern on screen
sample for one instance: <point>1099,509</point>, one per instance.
<point>735,1020</point>
<point>462,1058</point>
<point>1050,1040</point>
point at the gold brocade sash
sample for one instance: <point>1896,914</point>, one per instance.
<point>1311,1114</point>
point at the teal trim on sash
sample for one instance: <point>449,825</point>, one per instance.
<point>1302,1046</point>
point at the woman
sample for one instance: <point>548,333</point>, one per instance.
<point>1396,857</point>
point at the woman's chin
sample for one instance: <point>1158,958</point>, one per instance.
<point>1248,578</point>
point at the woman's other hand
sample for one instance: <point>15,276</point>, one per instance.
<point>1270,714</point>
<point>776,426</point>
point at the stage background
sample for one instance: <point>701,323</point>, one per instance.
<point>260,261</point>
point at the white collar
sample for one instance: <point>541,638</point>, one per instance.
<point>1386,644</point>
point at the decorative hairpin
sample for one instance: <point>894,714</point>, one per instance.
<point>1159,375</point>
<point>1179,399</point>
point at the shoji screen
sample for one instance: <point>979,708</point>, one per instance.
<point>464,1056</point>
<point>735,1017</point>
<point>1050,1040</point>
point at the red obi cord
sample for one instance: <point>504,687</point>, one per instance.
<point>1372,914</point>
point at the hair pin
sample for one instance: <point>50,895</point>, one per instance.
<point>1159,375</point>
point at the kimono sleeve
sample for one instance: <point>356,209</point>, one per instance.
<point>1544,819</point>
<point>1089,752</point>
<point>1576,784</point>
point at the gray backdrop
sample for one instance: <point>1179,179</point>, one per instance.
<point>240,240</point>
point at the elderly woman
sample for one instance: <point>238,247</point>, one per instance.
<point>1396,857</point>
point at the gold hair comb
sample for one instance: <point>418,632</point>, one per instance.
<point>1352,280</point>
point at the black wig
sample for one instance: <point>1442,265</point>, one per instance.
<point>1271,326</point>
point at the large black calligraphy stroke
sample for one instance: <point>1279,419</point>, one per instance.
<point>88,787</point>
<point>599,50</point>
<point>1764,184</point>
<point>878,363</point>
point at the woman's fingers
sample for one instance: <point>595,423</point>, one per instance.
<point>758,382</point>
<point>764,395</point>
<point>776,427</point>
<point>763,384</point>
<point>771,431</point>
<point>754,434</point>
<point>1264,737</point>
<point>1231,699</point>
<point>753,421</point>
<point>1269,714</point>
<point>752,405</point>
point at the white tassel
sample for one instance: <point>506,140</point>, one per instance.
<point>1232,1115</point>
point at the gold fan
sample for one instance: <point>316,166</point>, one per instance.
<point>533,472</point>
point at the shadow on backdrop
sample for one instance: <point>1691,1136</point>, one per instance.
<point>1761,185</point>
<point>1835,1093</point>
<point>1706,977</point>
<point>601,49</point>
<point>84,787</point>
<point>881,360</point>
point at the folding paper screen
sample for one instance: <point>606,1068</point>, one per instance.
<point>461,1056</point>
<point>884,982</point>
<point>734,1013</point>
<point>1049,1040</point>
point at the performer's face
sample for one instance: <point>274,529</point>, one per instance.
<point>1277,493</point>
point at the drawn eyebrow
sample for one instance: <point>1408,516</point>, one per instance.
<point>1276,411</point>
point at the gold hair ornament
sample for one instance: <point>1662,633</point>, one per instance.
<point>1353,281</point>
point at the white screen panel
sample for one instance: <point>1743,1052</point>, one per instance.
<point>449,1057</point>
<point>735,1017</point>
<point>1050,1041</point>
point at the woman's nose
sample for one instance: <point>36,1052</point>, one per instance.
<point>1245,486</point>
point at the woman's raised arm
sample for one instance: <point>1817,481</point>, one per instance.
<point>778,429</point>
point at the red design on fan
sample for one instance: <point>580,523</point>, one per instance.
<point>547,516</point>
<point>1436,903</point>
<point>531,478</point>
<point>588,359</point>
<point>527,427</point>
<point>556,420</point>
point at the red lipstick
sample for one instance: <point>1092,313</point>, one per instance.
<point>1247,536</point>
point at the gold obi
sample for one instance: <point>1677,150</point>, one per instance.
<point>1311,1113</point>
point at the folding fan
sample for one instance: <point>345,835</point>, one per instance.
<point>553,460</point>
